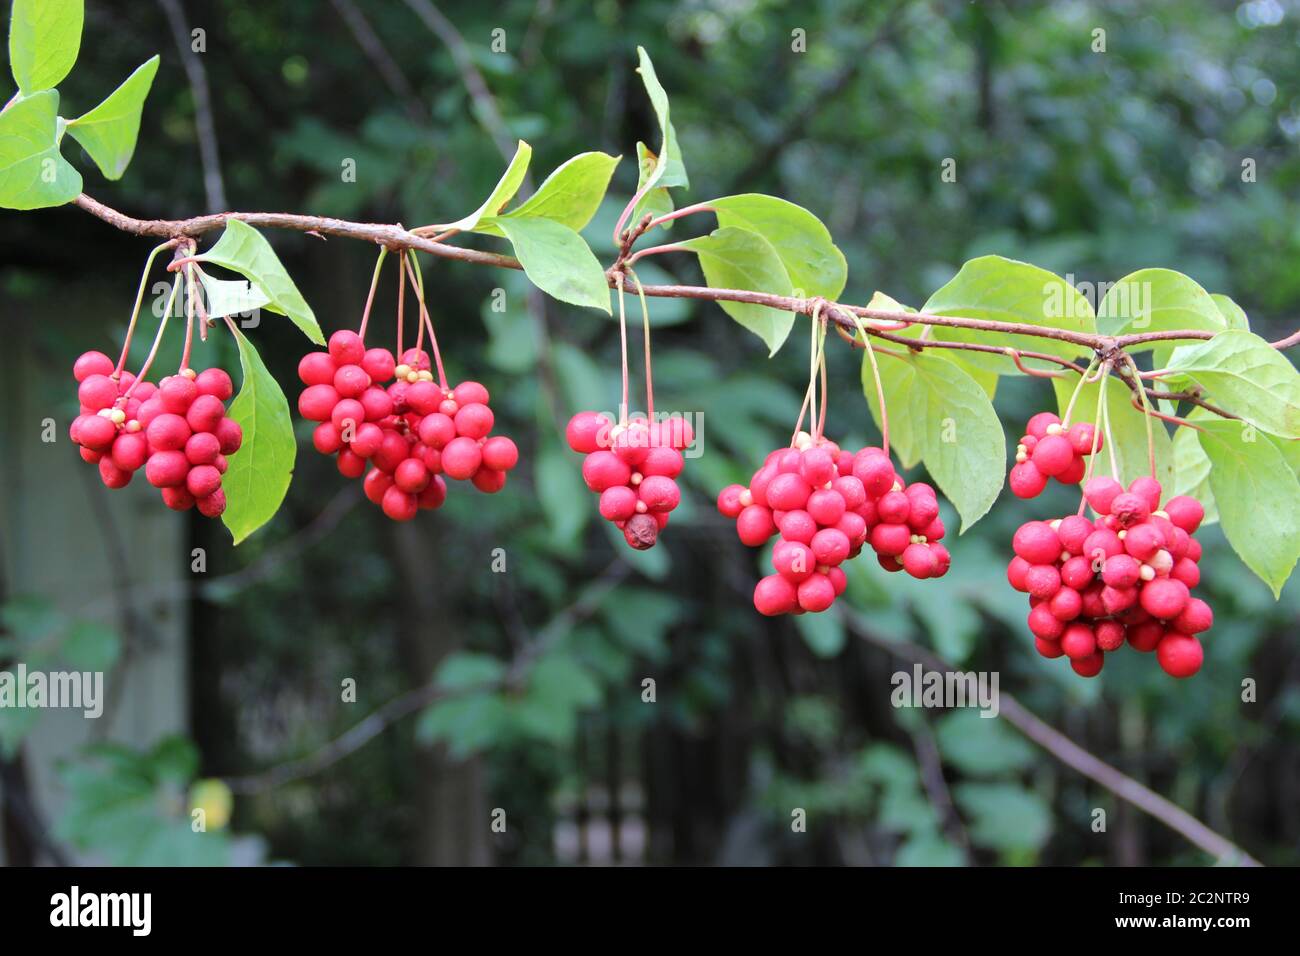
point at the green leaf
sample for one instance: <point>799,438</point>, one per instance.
<point>467,724</point>
<point>658,201</point>
<point>90,646</point>
<point>1156,300</point>
<point>815,264</point>
<point>465,670</point>
<point>1192,471</point>
<point>668,169</point>
<point>1004,816</point>
<point>501,194</point>
<point>260,471</point>
<point>572,193</point>
<point>32,173</point>
<point>557,260</point>
<point>243,249</point>
<point>1247,376</point>
<point>735,258</point>
<point>1258,497</point>
<point>981,746</point>
<point>823,633</point>
<point>562,493</point>
<point>1234,316</point>
<point>929,849</point>
<point>234,297</point>
<point>940,415</point>
<point>44,39</point>
<point>108,132</point>
<point>1005,290</point>
<point>1128,429</point>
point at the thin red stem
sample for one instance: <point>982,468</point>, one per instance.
<point>157,340</point>
<point>622,333</point>
<point>645,325</point>
<point>426,320</point>
<point>401,303</point>
<point>189,319</point>
<point>135,311</point>
<point>370,298</point>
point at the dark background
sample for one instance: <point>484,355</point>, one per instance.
<point>1092,164</point>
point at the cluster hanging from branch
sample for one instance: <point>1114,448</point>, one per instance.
<point>1231,397</point>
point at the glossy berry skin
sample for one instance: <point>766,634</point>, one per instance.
<point>1053,454</point>
<point>1180,655</point>
<point>500,453</point>
<point>462,457</point>
<point>774,595</point>
<point>92,363</point>
<point>588,432</point>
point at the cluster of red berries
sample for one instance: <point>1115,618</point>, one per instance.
<point>1050,450</point>
<point>409,433</point>
<point>633,467</point>
<point>1127,576</point>
<point>176,430</point>
<point>826,504</point>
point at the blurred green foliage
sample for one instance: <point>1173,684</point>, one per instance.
<point>1091,164</point>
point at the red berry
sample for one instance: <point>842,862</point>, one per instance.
<point>1100,493</point>
<point>919,561</point>
<point>346,348</point>
<point>379,364</point>
<point>1148,489</point>
<point>130,451</point>
<point>661,461</point>
<point>1049,649</point>
<point>112,476</point>
<point>411,476</point>
<point>797,526</point>
<point>168,432</point>
<point>1185,512</point>
<point>729,500</point>
<point>817,467</point>
<point>92,363</point>
<point>1078,641</point>
<point>1180,655</point>
<point>350,464</point>
<point>660,494</point>
<point>774,595</point>
<point>1037,543</point>
<point>165,469</point>
<point>1164,598</point>
<point>1042,580</point>
<point>1089,666</point>
<point>894,507</point>
<point>1110,635</point>
<point>437,430</point>
<point>1038,425</point>
<point>96,392</point>
<point>202,480</point>
<point>351,380</point>
<point>875,472</point>
<point>793,561</point>
<point>588,432</point>
<point>376,483</point>
<point>317,368</point>
<point>1053,455</point>
<point>97,433</point>
<point>826,507</point>
<point>392,452</point>
<point>1185,570</point>
<point>500,453</point>
<point>1196,616</point>
<point>1102,544</point>
<point>1130,509</point>
<point>754,525</point>
<point>177,393</point>
<point>205,413</point>
<point>891,539</point>
<point>1065,604</point>
<point>1145,636</point>
<point>398,504</point>
<point>1044,624</point>
<point>788,491</point>
<point>1016,571</point>
<point>462,457</point>
<point>470,393</point>
<point>816,594</point>
<point>600,470</point>
<point>316,403</point>
<point>1073,473</point>
<point>1077,573</point>
<point>618,503</point>
<point>1121,571</point>
<point>177,498</point>
<point>214,382</point>
<point>830,546</point>
<point>1081,435</point>
<point>230,434</point>
<point>434,494</point>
